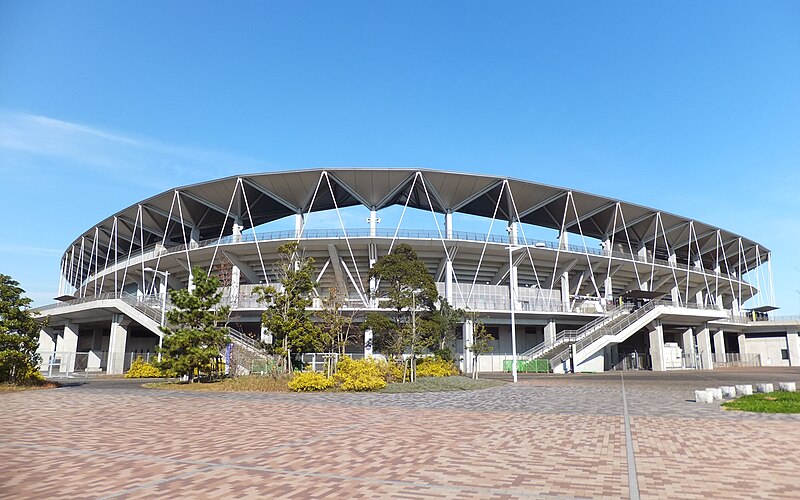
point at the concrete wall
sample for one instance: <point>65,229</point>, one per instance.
<point>769,346</point>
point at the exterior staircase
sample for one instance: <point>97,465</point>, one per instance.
<point>565,338</point>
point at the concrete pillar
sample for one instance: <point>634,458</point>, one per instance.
<point>468,337</point>
<point>675,295</point>
<point>719,346</point>
<point>742,339</point>
<point>116,345</point>
<point>565,290</point>
<point>687,344</point>
<point>448,225</point>
<point>194,237</point>
<point>698,297</point>
<point>794,347</point>
<point>368,339</point>
<point>608,290</point>
<point>657,346</point>
<point>563,240</point>
<point>68,347</point>
<point>550,332</point>
<point>47,345</point>
<point>704,348</point>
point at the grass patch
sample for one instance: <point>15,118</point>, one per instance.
<point>771,402</point>
<point>27,387</point>
<point>440,384</point>
<point>249,383</point>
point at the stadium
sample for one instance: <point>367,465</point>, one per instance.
<point>581,281</point>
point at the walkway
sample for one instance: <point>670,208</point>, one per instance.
<point>546,437</point>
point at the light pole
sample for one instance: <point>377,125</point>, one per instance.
<point>512,296</point>
<point>163,306</point>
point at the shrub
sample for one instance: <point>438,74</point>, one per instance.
<point>361,375</point>
<point>309,382</point>
<point>141,369</point>
<point>435,367</point>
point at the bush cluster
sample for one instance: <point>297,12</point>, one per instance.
<point>310,381</point>
<point>435,367</point>
<point>361,375</point>
<point>141,369</point>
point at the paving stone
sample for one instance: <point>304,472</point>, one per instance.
<point>545,437</point>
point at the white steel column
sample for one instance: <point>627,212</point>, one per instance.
<point>704,348</point>
<point>512,295</point>
<point>236,272</point>
<point>719,346</point>
<point>116,345</point>
<point>373,258</point>
<point>468,331</point>
<point>448,265</point>
<point>298,225</point>
<point>657,346</point>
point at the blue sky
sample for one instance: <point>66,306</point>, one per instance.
<point>691,107</point>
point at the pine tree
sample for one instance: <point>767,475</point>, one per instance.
<point>195,333</point>
<point>19,333</point>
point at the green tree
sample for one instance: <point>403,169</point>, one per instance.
<point>19,333</point>
<point>195,332</point>
<point>285,316</point>
<point>336,328</point>
<point>481,344</point>
<point>411,294</point>
<point>440,329</point>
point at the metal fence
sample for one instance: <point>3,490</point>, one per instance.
<point>735,359</point>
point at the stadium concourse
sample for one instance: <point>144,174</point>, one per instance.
<point>580,281</point>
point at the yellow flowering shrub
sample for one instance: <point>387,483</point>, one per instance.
<point>361,375</point>
<point>310,381</point>
<point>142,369</point>
<point>435,367</point>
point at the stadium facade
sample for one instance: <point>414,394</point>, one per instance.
<point>618,285</point>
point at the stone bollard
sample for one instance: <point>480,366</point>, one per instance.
<point>744,390</point>
<point>787,386</point>
<point>764,388</point>
<point>716,392</point>
<point>703,397</point>
<point>728,391</point>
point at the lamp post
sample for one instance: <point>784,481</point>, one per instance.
<point>512,296</point>
<point>163,306</point>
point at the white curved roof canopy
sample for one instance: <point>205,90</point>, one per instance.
<point>211,207</point>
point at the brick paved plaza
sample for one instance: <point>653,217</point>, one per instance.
<point>546,437</point>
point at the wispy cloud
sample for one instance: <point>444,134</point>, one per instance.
<point>31,142</point>
<point>29,250</point>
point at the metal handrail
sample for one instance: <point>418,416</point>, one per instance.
<point>573,335</point>
<point>620,323</point>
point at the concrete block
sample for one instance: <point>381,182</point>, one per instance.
<point>764,388</point>
<point>787,386</point>
<point>703,397</point>
<point>744,390</point>
<point>716,393</point>
<point>728,391</point>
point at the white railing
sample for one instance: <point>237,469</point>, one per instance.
<point>157,249</point>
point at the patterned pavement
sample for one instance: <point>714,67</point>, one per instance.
<point>545,437</point>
